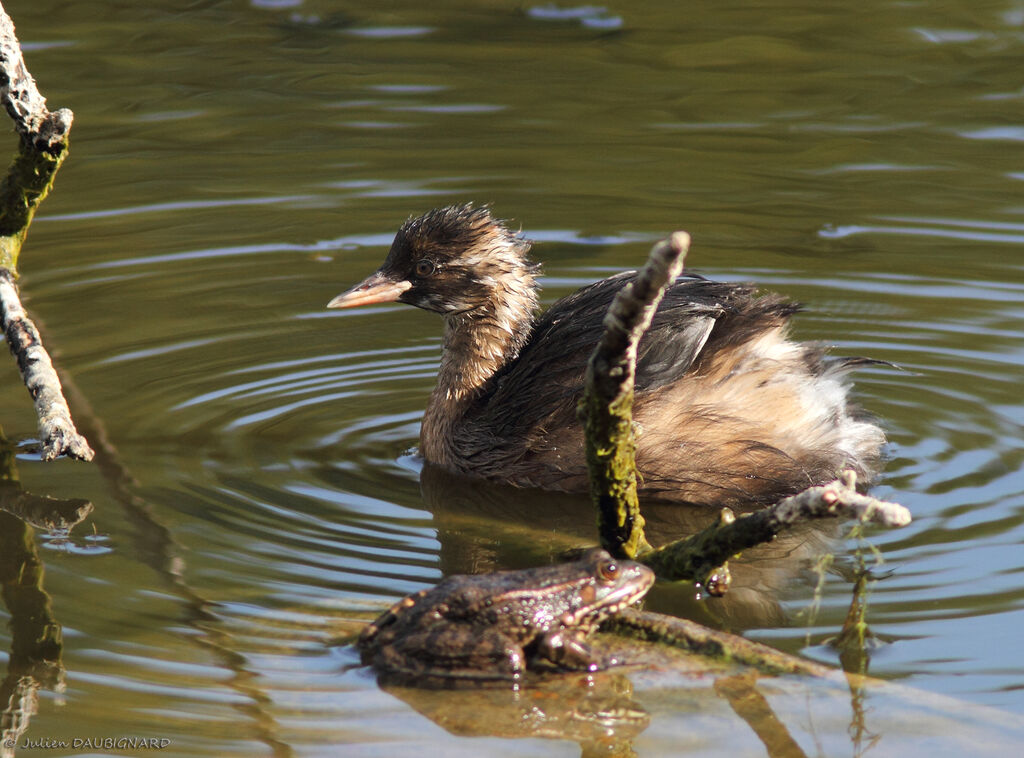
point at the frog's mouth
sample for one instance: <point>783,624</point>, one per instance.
<point>611,603</point>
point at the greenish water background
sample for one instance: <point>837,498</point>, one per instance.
<point>236,164</point>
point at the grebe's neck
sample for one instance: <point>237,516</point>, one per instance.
<point>477,343</point>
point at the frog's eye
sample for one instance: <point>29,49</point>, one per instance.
<point>608,570</point>
<point>424,267</point>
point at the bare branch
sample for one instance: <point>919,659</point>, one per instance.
<point>21,98</point>
<point>55,424</point>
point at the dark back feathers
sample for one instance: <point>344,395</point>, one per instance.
<point>696,319</point>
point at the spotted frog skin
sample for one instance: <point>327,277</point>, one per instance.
<point>491,626</point>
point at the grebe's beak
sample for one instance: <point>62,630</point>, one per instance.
<point>376,288</point>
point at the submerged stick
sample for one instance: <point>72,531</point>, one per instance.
<point>711,643</point>
<point>42,148</point>
<point>606,409</point>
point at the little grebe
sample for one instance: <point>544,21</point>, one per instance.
<point>729,410</point>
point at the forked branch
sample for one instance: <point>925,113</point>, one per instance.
<point>606,412</point>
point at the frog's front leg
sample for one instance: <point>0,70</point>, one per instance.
<point>566,648</point>
<point>494,650</point>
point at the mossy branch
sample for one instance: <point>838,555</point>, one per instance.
<point>606,409</point>
<point>711,643</point>
<point>698,556</point>
<point>27,183</point>
<point>42,148</point>
<point>606,413</point>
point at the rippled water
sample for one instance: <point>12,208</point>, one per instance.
<point>236,165</point>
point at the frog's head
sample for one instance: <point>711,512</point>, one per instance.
<point>608,586</point>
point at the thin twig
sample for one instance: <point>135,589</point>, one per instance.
<point>700,554</point>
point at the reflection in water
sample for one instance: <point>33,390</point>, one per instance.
<point>36,635</point>
<point>667,691</point>
<point>162,552</point>
<point>55,516</point>
<point>751,706</point>
<point>855,642</point>
<point>596,711</point>
<point>37,641</point>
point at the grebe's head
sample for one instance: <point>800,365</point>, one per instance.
<point>451,260</point>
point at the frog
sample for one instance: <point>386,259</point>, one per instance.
<point>494,627</point>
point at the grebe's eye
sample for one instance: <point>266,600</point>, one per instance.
<point>424,267</point>
<point>608,570</point>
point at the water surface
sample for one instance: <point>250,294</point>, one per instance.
<point>236,165</point>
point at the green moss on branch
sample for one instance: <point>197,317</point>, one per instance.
<point>697,556</point>
<point>27,183</point>
<point>720,646</point>
<point>606,409</point>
